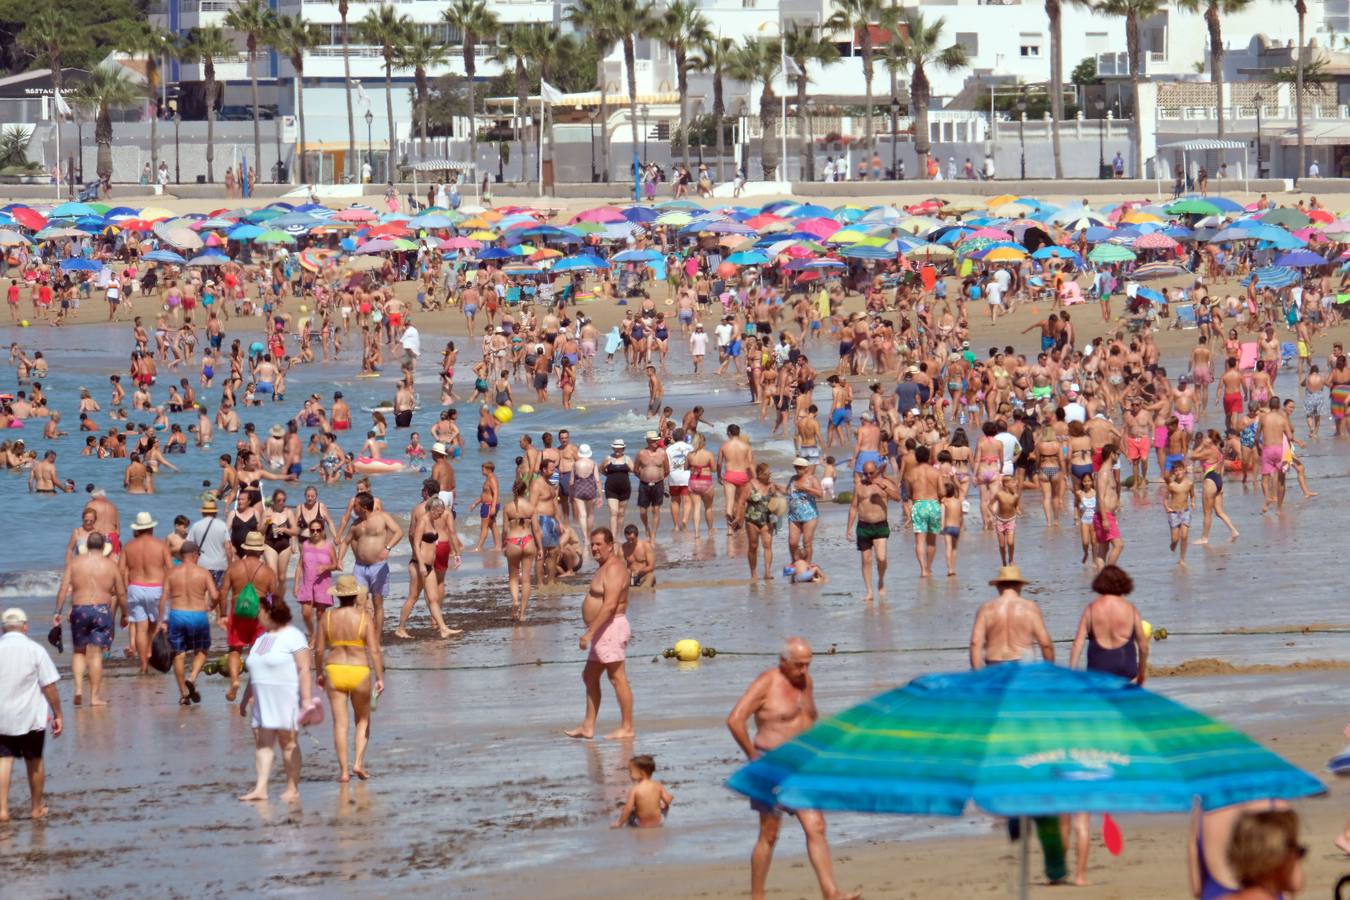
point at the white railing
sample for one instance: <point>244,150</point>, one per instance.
<point>1269,112</point>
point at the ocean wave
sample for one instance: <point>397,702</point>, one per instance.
<point>24,585</point>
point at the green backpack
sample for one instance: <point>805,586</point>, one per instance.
<point>246,601</point>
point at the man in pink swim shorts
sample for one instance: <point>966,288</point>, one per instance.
<point>604,610</point>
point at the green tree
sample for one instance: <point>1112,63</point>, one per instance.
<point>344,10</point>
<point>420,53</point>
<point>916,46</point>
<point>447,99</point>
<point>1085,72</point>
<point>807,44</point>
<point>207,44</point>
<point>1054,13</point>
<point>682,28</point>
<point>293,38</point>
<point>152,43</point>
<point>104,89</point>
<point>50,35</point>
<point>515,45</point>
<point>1213,11</point>
<point>596,19</point>
<point>758,61</point>
<point>714,56</point>
<point>474,21</point>
<point>1301,10</point>
<point>255,20</point>
<point>391,32</point>
<point>633,19</point>
<point>1133,12</point>
<point>857,18</point>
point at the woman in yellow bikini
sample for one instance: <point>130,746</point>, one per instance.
<point>346,649</point>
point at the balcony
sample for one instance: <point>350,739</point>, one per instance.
<point>1117,65</point>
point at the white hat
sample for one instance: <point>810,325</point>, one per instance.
<point>143,522</point>
<point>801,461</point>
<point>653,436</point>
<point>13,616</point>
<point>618,444</point>
<point>438,447</point>
<point>584,451</point>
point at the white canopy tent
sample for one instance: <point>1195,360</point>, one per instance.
<point>1201,145</point>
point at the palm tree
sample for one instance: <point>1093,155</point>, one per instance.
<point>1054,12</point>
<point>255,20</point>
<point>390,31</point>
<point>293,38</point>
<point>1134,12</point>
<point>420,53</point>
<point>808,44</point>
<point>682,28</point>
<point>858,17</point>
<point>1213,9</point>
<point>99,93</point>
<point>152,43</point>
<point>915,46</point>
<point>596,18</point>
<point>759,61</point>
<point>207,44</point>
<point>714,55</point>
<point>1301,9</point>
<point>473,20</point>
<point>515,44</point>
<point>633,19</point>
<point>49,34</point>
<point>344,9</point>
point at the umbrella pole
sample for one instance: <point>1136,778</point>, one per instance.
<point>1024,861</point>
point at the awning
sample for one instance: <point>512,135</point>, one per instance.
<point>1319,136</point>
<point>343,146</point>
<point>1203,144</point>
<point>437,165</point>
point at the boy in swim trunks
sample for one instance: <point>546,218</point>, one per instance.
<point>1178,504</point>
<point>1006,505</point>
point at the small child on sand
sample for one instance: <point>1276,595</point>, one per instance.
<point>648,800</point>
<point>827,478</point>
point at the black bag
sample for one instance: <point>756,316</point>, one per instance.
<point>54,638</point>
<point>161,654</point>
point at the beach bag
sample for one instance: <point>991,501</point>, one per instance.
<point>161,653</point>
<point>246,601</point>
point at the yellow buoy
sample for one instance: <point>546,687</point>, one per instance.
<point>525,408</point>
<point>581,409</point>
<point>23,323</point>
<point>503,414</point>
<point>687,650</point>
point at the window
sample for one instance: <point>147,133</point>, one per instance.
<point>969,40</point>
<point>1096,42</point>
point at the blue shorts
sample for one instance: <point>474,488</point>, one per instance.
<point>374,578</point>
<point>264,387</point>
<point>549,532</point>
<point>143,602</point>
<point>91,625</point>
<point>293,469</point>
<point>840,416</point>
<point>864,457</point>
<point>189,631</point>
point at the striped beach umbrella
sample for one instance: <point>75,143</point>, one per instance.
<point>1272,277</point>
<point>1110,253</point>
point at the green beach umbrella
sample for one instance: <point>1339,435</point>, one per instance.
<point>1193,207</point>
<point>1110,253</point>
<point>274,236</point>
<point>1286,218</point>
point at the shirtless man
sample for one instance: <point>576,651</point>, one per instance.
<point>1007,626</point>
<point>405,401</point>
<point>444,474</point>
<point>189,591</point>
<point>372,535</point>
<point>640,558</point>
<point>1139,433</point>
<point>1107,542</point>
<point>868,447</point>
<point>136,478</point>
<point>106,519</point>
<point>783,704</point>
<point>96,589</point>
<point>868,510</point>
<point>653,468</point>
<point>1275,435</point>
<point>735,462</point>
<point>42,479</point>
<point>605,612</point>
<point>925,487</point>
<point>544,498</point>
<point>1229,392</point>
<point>567,460</point>
<point>145,562</point>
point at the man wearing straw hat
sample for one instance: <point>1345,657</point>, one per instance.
<point>1007,626</point>
<point>27,694</point>
<point>145,562</point>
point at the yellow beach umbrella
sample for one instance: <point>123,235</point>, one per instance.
<point>995,202</point>
<point>1005,254</point>
<point>476,222</point>
<point>1141,218</point>
<point>845,236</point>
<point>483,235</point>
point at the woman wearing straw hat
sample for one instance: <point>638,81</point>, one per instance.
<point>248,581</point>
<point>346,650</point>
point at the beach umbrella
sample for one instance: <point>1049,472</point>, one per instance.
<point>483,235</point>
<point>28,217</point>
<point>1300,259</point>
<point>1231,233</point>
<point>76,264</point>
<point>245,232</point>
<point>209,258</point>
<point>994,234</point>
<point>388,229</point>
<point>180,237</point>
<point>679,204</point>
<point>1339,227</point>
<point>51,234</point>
<point>1003,255</point>
<point>600,215</point>
<point>1110,253</point>
<point>1193,206</point>
<point>355,214</point>
<point>1285,217</point>
<point>432,221</point>
<point>1019,740</point>
<point>1320,216</point>
<point>71,211</point>
<point>1054,251</point>
<point>1153,270</point>
<point>620,231</point>
<point>746,258</point>
<point>1012,210</point>
<point>266,214</point>
<point>1272,277</point>
<point>857,252</point>
<point>461,243</point>
<point>1225,205</point>
<point>676,218</point>
<point>1138,217</point>
<point>579,263</point>
<point>641,215</point>
<point>636,256</point>
<point>492,253</point>
<point>274,236</point>
<point>384,245</point>
<point>1155,240</point>
<point>164,256</point>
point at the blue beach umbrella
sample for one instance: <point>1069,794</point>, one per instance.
<point>164,256</point>
<point>1300,259</point>
<point>636,256</point>
<point>495,253</point>
<point>748,258</point>
<point>1273,277</point>
<point>579,263</point>
<point>75,264</point>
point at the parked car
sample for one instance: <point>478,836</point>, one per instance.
<point>245,113</point>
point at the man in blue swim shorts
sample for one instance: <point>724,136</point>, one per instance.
<point>189,591</point>
<point>372,536</point>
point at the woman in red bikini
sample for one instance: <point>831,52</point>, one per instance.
<point>520,543</point>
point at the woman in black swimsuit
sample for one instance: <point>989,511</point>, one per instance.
<point>618,471</point>
<point>279,529</point>
<point>244,519</point>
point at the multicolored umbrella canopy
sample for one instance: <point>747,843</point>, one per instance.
<point>1017,740</point>
<point>1110,253</point>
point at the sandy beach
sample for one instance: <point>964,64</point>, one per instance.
<point>476,793</point>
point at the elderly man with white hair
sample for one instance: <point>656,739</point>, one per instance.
<point>27,685</point>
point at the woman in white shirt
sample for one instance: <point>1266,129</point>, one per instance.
<point>280,685</point>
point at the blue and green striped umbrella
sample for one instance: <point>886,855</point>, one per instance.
<point>1019,740</point>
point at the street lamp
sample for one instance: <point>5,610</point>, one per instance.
<point>1259,102</point>
<point>595,176</point>
<point>895,128</point>
<point>1022,130</point>
<point>646,131</point>
<point>370,144</point>
<point>177,157</point>
<point>1100,105</point>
